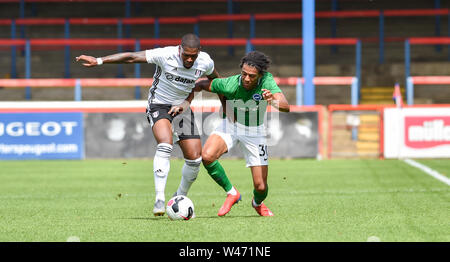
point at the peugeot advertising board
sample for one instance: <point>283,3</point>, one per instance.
<point>41,135</point>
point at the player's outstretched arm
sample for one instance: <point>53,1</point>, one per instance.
<point>203,84</point>
<point>277,100</point>
<point>119,58</point>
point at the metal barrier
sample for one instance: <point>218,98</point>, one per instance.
<point>78,84</point>
<point>426,79</point>
<point>138,43</point>
<point>127,21</point>
<point>423,80</point>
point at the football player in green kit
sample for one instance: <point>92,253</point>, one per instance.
<point>247,96</point>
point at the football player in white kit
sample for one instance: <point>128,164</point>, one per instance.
<point>177,70</point>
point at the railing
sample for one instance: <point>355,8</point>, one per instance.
<point>78,84</point>
<point>138,43</point>
<point>421,80</point>
<point>230,17</point>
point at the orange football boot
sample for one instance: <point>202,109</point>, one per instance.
<point>229,202</point>
<point>263,210</point>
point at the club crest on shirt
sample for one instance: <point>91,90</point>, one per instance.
<point>198,72</point>
<point>257,97</point>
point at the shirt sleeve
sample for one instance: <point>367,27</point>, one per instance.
<point>270,84</point>
<point>154,56</point>
<point>218,85</point>
<point>210,68</point>
<point>207,63</point>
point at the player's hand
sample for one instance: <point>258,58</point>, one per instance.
<point>267,95</point>
<point>178,109</point>
<point>87,60</point>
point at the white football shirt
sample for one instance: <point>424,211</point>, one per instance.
<point>172,82</point>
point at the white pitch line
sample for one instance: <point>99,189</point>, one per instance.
<point>428,170</point>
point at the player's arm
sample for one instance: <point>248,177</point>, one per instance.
<point>213,75</point>
<point>119,58</point>
<point>178,109</point>
<point>277,100</point>
<point>205,84</point>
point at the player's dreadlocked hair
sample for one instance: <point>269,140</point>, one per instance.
<point>190,40</point>
<point>256,59</point>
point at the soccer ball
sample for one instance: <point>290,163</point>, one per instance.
<point>180,208</point>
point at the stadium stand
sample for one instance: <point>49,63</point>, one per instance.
<point>379,24</point>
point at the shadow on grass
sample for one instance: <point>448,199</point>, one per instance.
<point>197,217</point>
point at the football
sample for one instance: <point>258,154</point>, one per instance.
<point>180,208</point>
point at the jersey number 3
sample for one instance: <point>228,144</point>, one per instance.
<point>263,151</point>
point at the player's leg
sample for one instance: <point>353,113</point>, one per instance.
<point>160,121</point>
<point>191,148</point>
<point>189,141</point>
<point>215,146</point>
<point>256,155</point>
<point>162,131</point>
<point>260,189</point>
<point>213,149</point>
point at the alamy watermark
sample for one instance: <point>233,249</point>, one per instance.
<point>248,118</point>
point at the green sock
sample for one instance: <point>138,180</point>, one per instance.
<point>216,171</point>
<point>259,197</point>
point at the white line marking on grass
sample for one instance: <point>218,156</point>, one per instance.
<point>73,239</point>
<point>373,239</point>
<point>428,170</point>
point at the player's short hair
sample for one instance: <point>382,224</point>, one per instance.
<point>256,59</point>
<point>191,41</point>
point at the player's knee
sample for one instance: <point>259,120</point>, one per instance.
<point>195,155</point>
<point>208,157</point>
<point>261,187</point>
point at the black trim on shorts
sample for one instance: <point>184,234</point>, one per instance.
<point>161,111</point>
<point>158,111</point>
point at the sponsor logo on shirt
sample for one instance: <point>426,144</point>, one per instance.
<point>180,79</point>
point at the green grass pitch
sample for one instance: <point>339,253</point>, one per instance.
<point>314,201</point>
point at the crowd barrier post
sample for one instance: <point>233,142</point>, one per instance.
<point>299,91</point>
<point>120,73</point>
<point>156,30</point>
<point>13,50</point>
<point>230,26</point>
<point>409,91</point>
<point>27,68</point>
<point>407,63</point>
<point>127,15</point>
<point>381,38</point>
<point>358,65</point>
<point>137,71</point>
<point>77,90</point>
<point>67,49</point>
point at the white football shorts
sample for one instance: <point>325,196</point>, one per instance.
<point>253,146</point>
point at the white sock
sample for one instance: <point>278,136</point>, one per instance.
<point>189,174</point>
<point>254,203</point>
<point>161,168</point>
<point>232,191</point>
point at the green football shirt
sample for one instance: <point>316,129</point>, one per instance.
<point>248,105</point>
